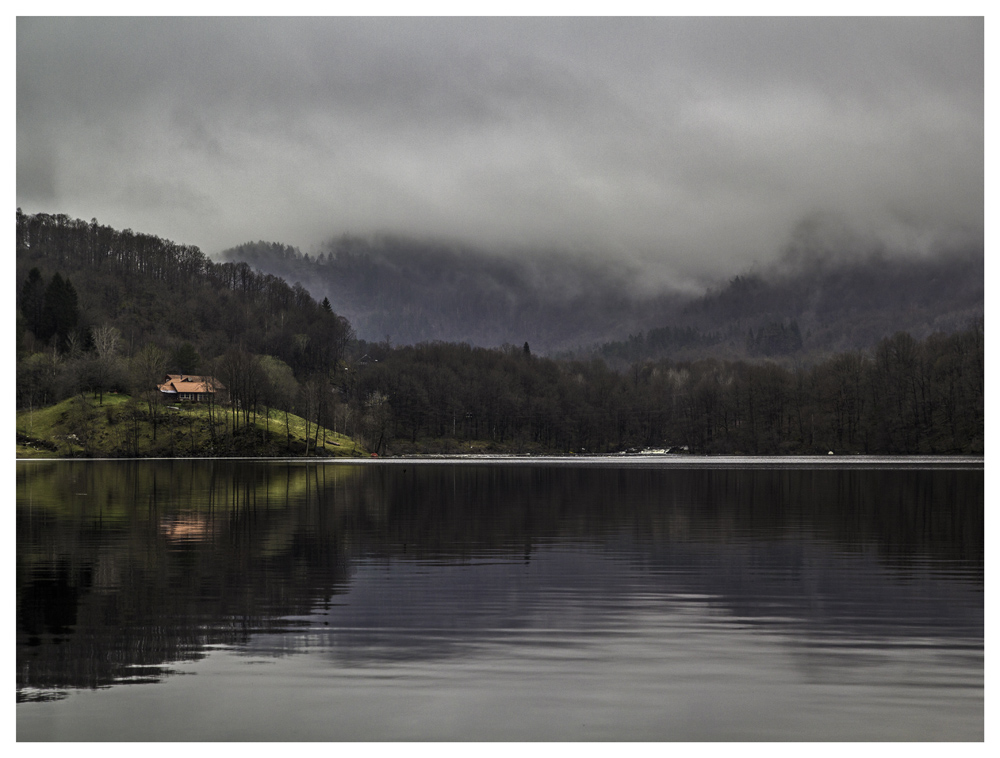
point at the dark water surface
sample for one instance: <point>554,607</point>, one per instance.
<point>499,600</point>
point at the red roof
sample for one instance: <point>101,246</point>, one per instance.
<point>190,383</point>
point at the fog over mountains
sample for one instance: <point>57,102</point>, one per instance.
<point>848,297</point>
<point>559,181</point>
<point>681,148</point>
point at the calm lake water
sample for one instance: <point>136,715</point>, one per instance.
<point>613,599</point>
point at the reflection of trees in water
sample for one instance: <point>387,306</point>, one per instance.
<point>460,509</point>
<point>125,567</point>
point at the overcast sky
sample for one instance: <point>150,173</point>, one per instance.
<point>692,145</point>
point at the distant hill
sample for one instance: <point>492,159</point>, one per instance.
<point>414,291</point>
<point>816,310</point>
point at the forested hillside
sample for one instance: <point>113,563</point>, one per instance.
<point>101,310</point>
<point>810,305</point>
<point>422,292</point>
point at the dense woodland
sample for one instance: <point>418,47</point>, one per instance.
<point>101,310</point>
<point>812,302</point>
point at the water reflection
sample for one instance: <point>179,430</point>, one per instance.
<point>125,570</point>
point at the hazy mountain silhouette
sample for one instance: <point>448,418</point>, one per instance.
<point>416,291</point>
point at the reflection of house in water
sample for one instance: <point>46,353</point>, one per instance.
<point>192,527</point>
<point>190,387</point>
<point>175,556</point>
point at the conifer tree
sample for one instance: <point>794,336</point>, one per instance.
<point>32,300</point>
<point>60,312</point>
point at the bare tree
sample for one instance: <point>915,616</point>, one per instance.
<point>146,370</point>
<point>245,379</point>
<point>107,339</point>
<point>376,422</point>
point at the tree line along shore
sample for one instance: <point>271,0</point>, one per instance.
<point>104,315</point>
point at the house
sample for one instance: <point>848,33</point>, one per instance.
<point>189,387</point>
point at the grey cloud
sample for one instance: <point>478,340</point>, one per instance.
<point>689,146</point>
<point>36,174</point>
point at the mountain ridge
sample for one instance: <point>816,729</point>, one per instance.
<point>413,291</point>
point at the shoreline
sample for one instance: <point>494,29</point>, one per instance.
<point>654,460</point>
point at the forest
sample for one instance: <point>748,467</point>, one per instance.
<point>101,310</point>
<point>827,299</point>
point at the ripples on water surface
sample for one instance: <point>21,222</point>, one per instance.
<point>612,600</point>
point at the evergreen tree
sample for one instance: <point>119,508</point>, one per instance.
<point>60,312</point>
<point>185,359</point>
<point>32,300</point>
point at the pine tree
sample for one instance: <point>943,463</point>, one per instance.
<point>185,359</point>
<point>32,300</point>
<point>60,312</point>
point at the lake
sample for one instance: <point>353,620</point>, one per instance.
<point>625,599</point>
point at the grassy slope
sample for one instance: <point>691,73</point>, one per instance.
<point>121,427</point>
